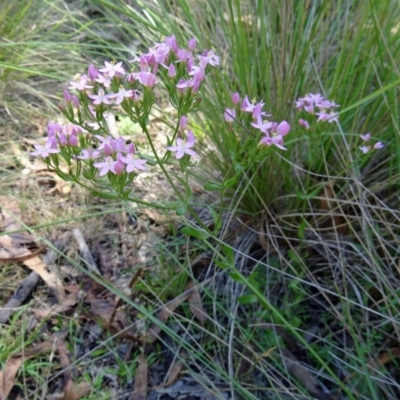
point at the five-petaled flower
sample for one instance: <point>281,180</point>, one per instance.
<point>101,97</point>
<point>182,147</point>
<point>132,163</point>
<point>50,147</point>
<point>113,69</point>
<point>108,165</point>
<point>80,84</point>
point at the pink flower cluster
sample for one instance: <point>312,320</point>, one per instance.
<point>58,136</point>
<point>118,156</point>
<point>273,132</point>
<point>100,84</point>
<point>318,105</point>
<point>97,90</point>
<point>365,149</point>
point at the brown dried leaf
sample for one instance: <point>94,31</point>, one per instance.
<point>303,375</point>
<point>10,217</point>
<point>141,377</point>
<point>6,257</point>
<point>382,360</point>
<point>195,303</point>
<point>7,376</point>
<point>66,306</point>
<point>10,214</point>
<point>71,391</point>
<point>388,356</point>
<point>113,321</point>
<point>173,374</point>
<point>164,314</point>
<point>51,279</point>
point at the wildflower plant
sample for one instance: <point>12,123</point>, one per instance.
<point>108,166</point>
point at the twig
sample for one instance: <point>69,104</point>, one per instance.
<point>28,284</point>
<point>85,252</point>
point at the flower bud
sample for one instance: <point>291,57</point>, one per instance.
<point>67,96</point>
<point>73,140</point>
<point>75,101</point>
<point>119,167</point>
<point>304,123</point>
<point>171,71</point>
<point>235,98</point>
<point>92,72</point>
<point>192,44</point>
<point>108,150</point>
<point>62,139</point>
<point>183,122</point>
<point>283,128</point>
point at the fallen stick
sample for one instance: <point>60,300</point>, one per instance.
<point>85,252</point>
<point>29,283</point>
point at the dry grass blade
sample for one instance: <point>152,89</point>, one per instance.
<point>141,377</point>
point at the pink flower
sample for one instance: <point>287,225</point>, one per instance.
<point>106,166</point>
<point>104,80</point>
<point>80,84</point>
<point>89,154</point>
<point>147,78</point>
<point>276,140</point>
<point>365,149</point>
<point>183,55</point>
<point>209,57</point>
<point>365,137</point>
<point>113,69</point>
<point>100,97</point>
<point>247,105</point>
<point>132,163</point>
<point>229,115</point>
<point>378,145</point>
<point>182,148</point>
<point>172,43</point>
<point>119,97</point>
<point>104,140</point>
<point>263,126</point>
<point>49,148</point>
<point>304,123</point>
<point>331,117</point>
<point>257,111</point>
<point>160,52</point>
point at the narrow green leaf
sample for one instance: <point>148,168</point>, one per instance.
<point>247,299</point>
<point>213,186</point>
<point>197,233</point>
